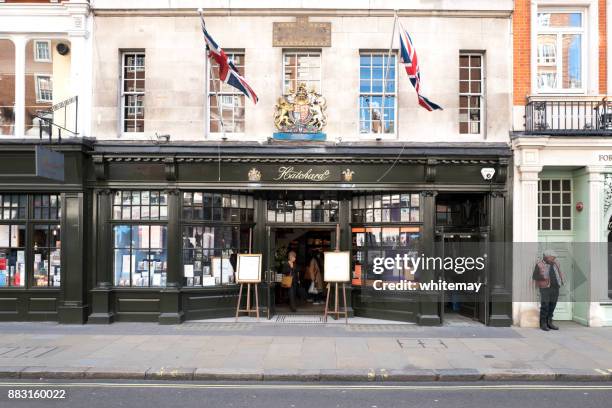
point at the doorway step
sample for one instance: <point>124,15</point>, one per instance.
<point>299,319</point>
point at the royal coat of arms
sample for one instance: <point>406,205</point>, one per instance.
<point>301,111</point>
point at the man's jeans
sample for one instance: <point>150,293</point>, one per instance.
<point>548,299</point>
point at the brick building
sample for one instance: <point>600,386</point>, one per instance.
<point>562,137</point>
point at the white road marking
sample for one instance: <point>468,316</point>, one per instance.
<point>483,387</point>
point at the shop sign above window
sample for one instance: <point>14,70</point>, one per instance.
<point>298,174</point>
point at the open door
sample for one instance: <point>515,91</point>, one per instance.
<point>462,244</point>
<point>270,275</point>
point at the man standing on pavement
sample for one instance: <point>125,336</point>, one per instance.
<point>549,278</point>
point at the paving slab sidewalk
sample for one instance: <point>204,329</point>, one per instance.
<point>262,352</point>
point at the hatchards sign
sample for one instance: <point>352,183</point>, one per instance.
<point>300,174</point>
<point>290,173</point>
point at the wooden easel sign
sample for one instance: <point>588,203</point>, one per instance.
<point>337,270</point>
<point>248,268</point>
<point>248,273</point>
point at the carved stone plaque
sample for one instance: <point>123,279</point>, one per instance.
<point>302,33</point>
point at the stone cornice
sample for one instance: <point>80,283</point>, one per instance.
<point>553,142</point>
<point>43,10</point>
<point>283,12</point>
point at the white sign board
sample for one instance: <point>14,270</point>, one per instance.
<point>249,268</point>
<point>337,266</point>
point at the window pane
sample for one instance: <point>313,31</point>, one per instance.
<point>546,20</point>
<point>572,71</point>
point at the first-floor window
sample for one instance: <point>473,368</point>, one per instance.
<point>301,67</point>
<point>133,92</point>
<point>471,92</point>
<point>226,103</point>
<point>140,255</point>
<point>377,93</point>
<point>560,36</point>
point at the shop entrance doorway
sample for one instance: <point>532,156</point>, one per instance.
<point>462,232</point>
<point>459,303</point>
<point>309,244</point>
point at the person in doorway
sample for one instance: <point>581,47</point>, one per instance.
<point>290,269</point>
<point>314,277</point>
<point>549,278</point>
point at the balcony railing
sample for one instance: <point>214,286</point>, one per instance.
<point>568,117</point>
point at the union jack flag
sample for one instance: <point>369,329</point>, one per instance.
<point>228,72</point>
<point>408,57</point>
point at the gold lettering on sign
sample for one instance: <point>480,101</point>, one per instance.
<point>301,33</point>
<point>289,173</point>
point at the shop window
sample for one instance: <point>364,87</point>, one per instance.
<point>301,67</point>
<point>7,88</point>
<point>460,210</point>
<point>370,243</point>
<point>140,205</point>
<point>47,207</point>
<point>47,257</point>
<point>302,211</point>
<point>29,224</point>
<point>204,206</point>
<point>377,93</point>
<point>471,92</point>
<point>372,238</point>
<point>216,228</point>
<point>12,255</point>
<point>560,32</point>
<point>140,253</point>
<point>132,91</point>
<point>140,245</point>
<point>555,205</point>
<point>13,206</point>
<point>381,208</point>
<point>226,103</point>
<point>210,253</point>
<point>47,82</point>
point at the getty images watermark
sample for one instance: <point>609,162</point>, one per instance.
<point>415,264</point>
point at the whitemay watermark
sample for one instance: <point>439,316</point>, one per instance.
<point>467,270</point>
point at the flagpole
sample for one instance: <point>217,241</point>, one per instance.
<point>214,88</point>
<point>387,71</point>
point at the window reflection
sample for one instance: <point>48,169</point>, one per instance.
<point>7,88</point>
<point>47,82</point>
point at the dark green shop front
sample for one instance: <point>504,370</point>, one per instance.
<point>156,229</point>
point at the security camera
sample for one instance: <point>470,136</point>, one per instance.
<point>487,173</point>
